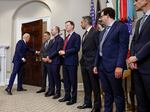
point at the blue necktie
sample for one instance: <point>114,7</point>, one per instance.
<point>103,39</point>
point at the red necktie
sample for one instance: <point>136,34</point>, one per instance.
<point>66,41</point>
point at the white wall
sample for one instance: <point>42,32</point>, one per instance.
<point>7,9</point>
<point>61,11</point>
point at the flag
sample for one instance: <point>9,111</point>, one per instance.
<point>109,3</point>
<point>129,24</point>
<point>130,9</point>
<point>98,9</point>
<point>117,9</point>
<point>92,13</point>
<point>123,10</point>
<point>130,14</point>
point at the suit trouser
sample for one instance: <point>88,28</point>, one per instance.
<point>91,83</point>
<point>44,75</point>
<point>113,91</point>
<point>17,69</point>
<point>55,78</point>
<point>142,91</point>
<point>70,81</point>
<point>46,71</point>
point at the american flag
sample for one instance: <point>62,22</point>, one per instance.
<point>92,13</point>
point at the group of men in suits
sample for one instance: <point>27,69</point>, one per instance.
<point>101,53</point>
<point>51,63</point>
<point>102,62</point>
<point>103,58</point>
<point>61,52</point>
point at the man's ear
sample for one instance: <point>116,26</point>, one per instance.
<point>146,2</point>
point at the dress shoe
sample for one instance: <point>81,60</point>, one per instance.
<point>95,110</point>
<point>22,89</point>
<point>41,91</point>
<point>84,106</point>
<point>64,99</point>
<point>48,94</point>
<point>71,102</point>
<point>56,96</point>
<point>8,91</point>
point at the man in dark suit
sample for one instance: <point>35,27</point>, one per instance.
<point>90,81</point>
<point>54,60</point>
<point>18,60</point>
<point>111,60</point>
<point>70,63</point>
<point>46,50</point>
<point>44,54</point>
<point>139,61</point>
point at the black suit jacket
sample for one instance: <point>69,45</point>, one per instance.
<point>89,48</point>
<point>140,46</point>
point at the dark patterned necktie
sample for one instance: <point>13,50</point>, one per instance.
<point>142,22</point>
<point>84,36</point>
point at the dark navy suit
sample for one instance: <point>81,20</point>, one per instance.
<point>70,63</point>
<point>140,48</point>
<point>54,66</point>
<point>20,52</point>
<point>114,52</point>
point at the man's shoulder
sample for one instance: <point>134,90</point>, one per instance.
<point>121,25</point>
<point>19,43</point>
<point>93,31</point>
<point>75,34</point>
<point>59,37</point>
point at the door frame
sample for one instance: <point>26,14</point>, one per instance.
<point>18,31</point>
<point>20,21</point>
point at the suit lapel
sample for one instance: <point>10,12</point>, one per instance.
<point>137,30</point>
<point>25,45</point>
<point>145,23</point>
<point>70,39</point>
<point>101,35</point>
<point>113,27</point>
<point>138,25</point>
<point>88,35</point>
<point>51,42</point>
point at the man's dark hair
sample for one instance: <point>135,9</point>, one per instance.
<point>71,22</point>
<point>58,29</point>
<point>88,18</point>
<point>109,11</point>
<point>48,33</point>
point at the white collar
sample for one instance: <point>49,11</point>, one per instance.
<point>89,29</point>
<point>24,41</point>
<point>147,13</point>
<point>70,34</point>
<point>111,23</point>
